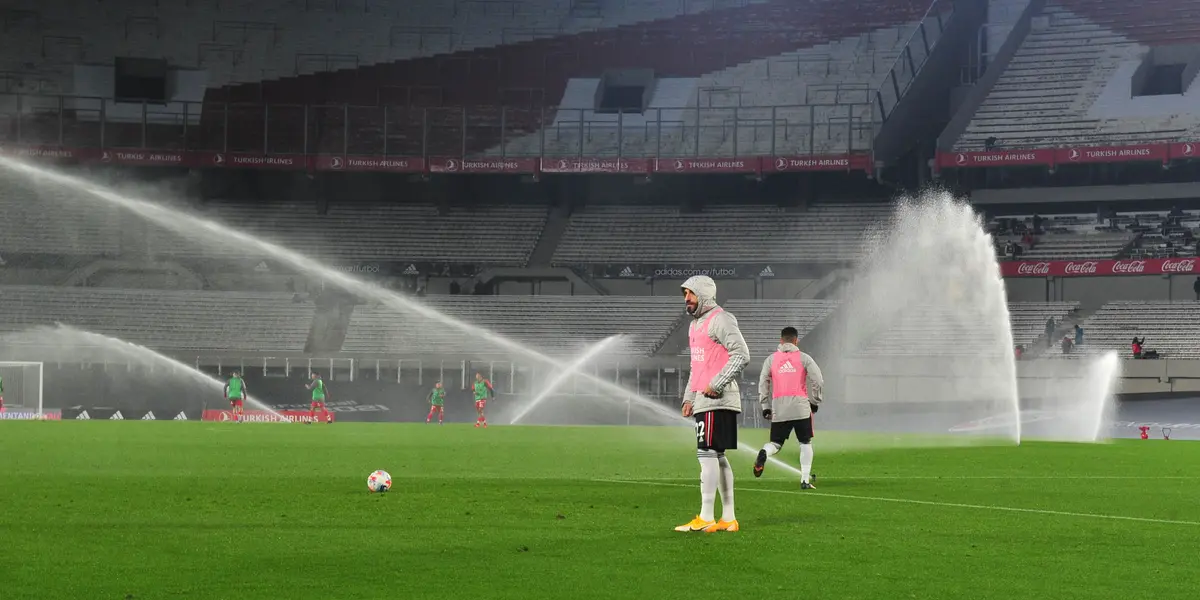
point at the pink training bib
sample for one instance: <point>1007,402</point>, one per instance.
<point>708,356</point>
<point>788,376</point>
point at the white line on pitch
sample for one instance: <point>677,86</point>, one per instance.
<point>1037,511</point>
<point>951,477</point>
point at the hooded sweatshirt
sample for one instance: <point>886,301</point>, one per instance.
<point>790,408</point>
<point>723,329</point>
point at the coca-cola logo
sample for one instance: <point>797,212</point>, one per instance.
<point>1129,266</point>
<point>1041,268</point>
<point>1082,268</point>
<point>1179,266</point>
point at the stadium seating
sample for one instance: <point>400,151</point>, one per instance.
<point>253,41</point>
<point>749,233</point>
<point>1069,83</point>
<point>761,320</point>
<point>923,331</point>
<point>1171,328</point>
<point>822,93</point>
<point>43,220</point>
<point>533,75</point>
<point>558,325</point>
<point>492,235</point>
<point>1076,246</point>
<point>184,320</point>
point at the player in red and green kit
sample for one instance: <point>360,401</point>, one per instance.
<point>235,392</point>
<point>317,385</point>
<point>437,401</point>
<point>483,389</point>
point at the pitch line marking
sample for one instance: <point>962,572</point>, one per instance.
<point>1036,511</point>
<point>954,477</point>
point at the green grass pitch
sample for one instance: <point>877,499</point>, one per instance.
<point>172,510</point>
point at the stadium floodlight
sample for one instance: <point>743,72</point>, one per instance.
<point>22,386</point>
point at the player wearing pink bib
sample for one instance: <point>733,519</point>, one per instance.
<point>719,353</point>
<point>789,391</point>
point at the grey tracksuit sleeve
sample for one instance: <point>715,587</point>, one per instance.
<point>724,329</point>
<point>815,380</point>
<point>764,385</point>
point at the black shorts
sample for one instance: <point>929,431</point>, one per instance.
<point>716,430</point>
<point>780,431</point>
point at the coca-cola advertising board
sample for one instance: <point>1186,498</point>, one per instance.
<point>1097,268</point>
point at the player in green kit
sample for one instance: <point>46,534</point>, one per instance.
<point>235,392</point>
<point>317,385</point>
<point>483,389</point>
<point>437,400</point>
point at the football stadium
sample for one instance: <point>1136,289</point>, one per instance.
<point>375,299</point>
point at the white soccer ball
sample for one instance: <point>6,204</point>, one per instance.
<point>379,481</point>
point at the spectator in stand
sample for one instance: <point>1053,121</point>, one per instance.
<point>1050,332</point>
<point>1078,335</point>
<point>1018,350</point>
<point>1136,346</point>
<point>1196,284</point>
<point>1037,224</point>
<point>1027,241</point>
<point>1067,344</point>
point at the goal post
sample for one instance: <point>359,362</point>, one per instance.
<point>21,386</point>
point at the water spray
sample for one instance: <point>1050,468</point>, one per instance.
<point>565,374</point>
<point>67,339</point>
<point>201,229</point>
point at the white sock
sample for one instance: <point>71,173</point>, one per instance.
<point>710,473</point>
<point>770,448</point>
<point>806,455</point>
<point>726,488</point>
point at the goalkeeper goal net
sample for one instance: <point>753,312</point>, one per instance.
<point>21,386</point>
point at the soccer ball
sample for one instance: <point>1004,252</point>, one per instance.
<point>379,481</point>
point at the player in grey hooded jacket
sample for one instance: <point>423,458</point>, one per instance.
<point>713,404</point>
<point>791,412</point>
<point>724,330</point>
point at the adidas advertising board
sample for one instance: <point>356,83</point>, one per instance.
<point>683,271</point>
<point>111,413</point>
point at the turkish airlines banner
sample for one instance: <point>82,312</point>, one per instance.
<point>1096,268</point>
<point>262,416</point>
<point>1050,157</point>
<point>707,165</point>
<point>444,165</point>
<point>483,165</point>
<point>839,162</point>
<point>378,164</point>
<point>595,165</point>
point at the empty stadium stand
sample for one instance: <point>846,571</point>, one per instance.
<point>532,76</point>
<point>761,320</point>
<point>925,331</point>
<point>482,235</point>
<point>559,325</point>
<point>1171,328</point>
<point>1072,82</point>
<point>184,320</point>
<point>253,41</point>
<point>751,233</point>
<point>43,220</point>
<point>823,93</point>
<point>1076,246</point>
